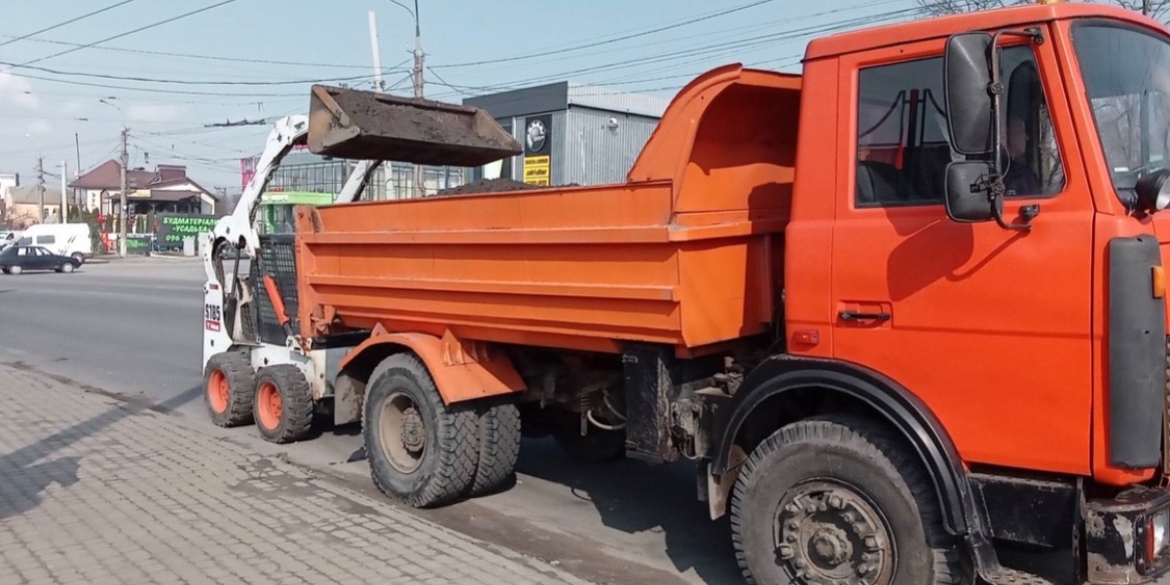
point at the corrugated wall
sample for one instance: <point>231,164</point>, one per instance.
<point>593,153</point>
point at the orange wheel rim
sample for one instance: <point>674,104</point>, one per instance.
<point>218,391</point>
<point>269,405</point>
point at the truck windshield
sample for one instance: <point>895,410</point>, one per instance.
<point>1126,71</point>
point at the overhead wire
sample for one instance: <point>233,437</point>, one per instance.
<point>190,81</point>
<point>202,57</point>
<point>66,22</point>
<point>610,41</point>
<point>128,33</point>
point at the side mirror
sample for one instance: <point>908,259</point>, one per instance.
<point>1153,191</point>
<point>967,76</point>
<point>967,192</point>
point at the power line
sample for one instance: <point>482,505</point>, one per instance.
<point>128,33</point>
<point>67,22</point>
<point>704,53</point>
<point>184,81</point>
<point>610,41</point>
<point>194,56</point>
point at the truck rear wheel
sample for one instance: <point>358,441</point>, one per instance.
<point>228,385</point>
<point>837,500</point>
<point>499,446</point>
<point>283,404</point>
<point>421,451</point>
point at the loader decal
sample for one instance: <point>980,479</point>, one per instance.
<point>212,317</point>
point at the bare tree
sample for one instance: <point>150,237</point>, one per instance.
<point>1154,8</point>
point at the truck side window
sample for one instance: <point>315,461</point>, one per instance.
<point>902,147</point>
<point>46,239</point>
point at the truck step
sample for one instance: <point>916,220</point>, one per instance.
<point>1008,576</point>
<point>1017,577</point>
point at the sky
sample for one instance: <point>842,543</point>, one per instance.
<point>256,59</point>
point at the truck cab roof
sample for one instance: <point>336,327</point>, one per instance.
<point>904,33</point>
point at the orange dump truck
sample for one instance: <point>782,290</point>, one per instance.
<point>901,309</point>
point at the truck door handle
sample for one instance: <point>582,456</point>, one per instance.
<point>857,316</point>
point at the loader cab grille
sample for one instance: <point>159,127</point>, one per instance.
<point>277,260</point>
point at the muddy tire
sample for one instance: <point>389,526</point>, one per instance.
<point>597,446</point>
<point>499,446</point>
<point>818,494</point>
<point>228,385</point>
<point>421,451</point>
<point>283,404</point>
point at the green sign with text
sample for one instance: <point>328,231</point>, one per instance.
<point>173,229</point>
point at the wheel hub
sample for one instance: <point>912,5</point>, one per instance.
<point>827,534</point>
<point>413,435</point>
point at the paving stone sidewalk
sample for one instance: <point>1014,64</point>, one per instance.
<point>93,490</point>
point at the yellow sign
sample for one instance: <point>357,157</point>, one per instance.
<point>537,170</point>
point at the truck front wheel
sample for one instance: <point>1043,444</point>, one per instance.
<point>837,500</point>
<point>421,451</point>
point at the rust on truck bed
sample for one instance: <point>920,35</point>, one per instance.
<point>685,253</point>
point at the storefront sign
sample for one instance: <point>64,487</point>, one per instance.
<point>538,150</point>
<point>173,229</point>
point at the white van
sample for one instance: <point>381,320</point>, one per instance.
<point>66,239</point>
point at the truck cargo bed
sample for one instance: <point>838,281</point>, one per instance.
<point>682,254</point>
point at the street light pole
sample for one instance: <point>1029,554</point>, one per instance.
<point>419,57</point>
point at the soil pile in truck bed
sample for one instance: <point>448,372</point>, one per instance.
<point>488,186</point>
<point>497,186</point>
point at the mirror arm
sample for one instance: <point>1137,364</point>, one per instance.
<point>995,190</point>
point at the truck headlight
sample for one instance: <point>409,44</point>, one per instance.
<point>1160,527</point>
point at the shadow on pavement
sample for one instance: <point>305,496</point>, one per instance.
<point>22,479</point>
<point>633,496</point>
<point>20,488</point>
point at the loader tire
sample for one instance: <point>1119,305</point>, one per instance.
<point>228,385</point>
<point>421,451</point>
<point>283,404</point>
<point>499,446</point>
<point>832,498</point>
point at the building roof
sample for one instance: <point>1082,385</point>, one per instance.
<point>108,176</point>
<point>169,195</point>
<point>564,94</point>
<point>30,195</point>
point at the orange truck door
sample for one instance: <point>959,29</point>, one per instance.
<point>990,327</point>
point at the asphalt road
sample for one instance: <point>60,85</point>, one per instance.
<point>133,329</point>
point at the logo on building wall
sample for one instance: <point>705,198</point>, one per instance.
<point>537,150</point>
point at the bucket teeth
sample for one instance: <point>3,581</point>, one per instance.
<point>357,124</point>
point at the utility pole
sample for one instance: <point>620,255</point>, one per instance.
<point>64,198</point>
<point>41,188</point>
<point>122,213</point>
<point>419,189</point>
<point>376,49</point>
<point>77,171</point>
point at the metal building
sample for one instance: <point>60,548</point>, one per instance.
<point>571,132</point>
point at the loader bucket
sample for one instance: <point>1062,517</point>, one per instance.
<point>356,124</point>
